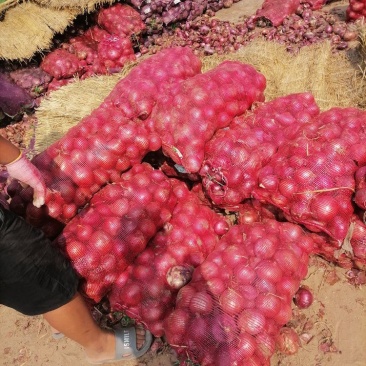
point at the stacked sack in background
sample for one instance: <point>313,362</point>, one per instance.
<point>356,10</point>
<point>102,49</point>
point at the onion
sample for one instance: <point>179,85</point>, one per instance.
<point>287,341</point>
<point>178,276</point>
<point>303,297</point>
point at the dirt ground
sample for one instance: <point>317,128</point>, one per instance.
<point>335,322</point>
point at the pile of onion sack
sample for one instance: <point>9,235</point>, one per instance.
<point>147,290</point>
<point>356,10</point>
<point>240,296</point>
<point>102,49</point>
<point>234,156</point>
<point>108,141</point>
<point>188,115</point>
<point>106,236</point>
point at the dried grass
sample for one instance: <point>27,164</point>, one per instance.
<point>331,77</point>
<point>29,28</point>
<point>88,5</point>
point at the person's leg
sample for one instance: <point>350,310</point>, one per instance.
<point>75,321</point>
<point>36,279</point>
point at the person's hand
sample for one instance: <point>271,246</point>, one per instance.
<point>23,170</point>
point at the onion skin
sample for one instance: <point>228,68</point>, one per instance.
<point>287,341</point>
<point>303,297</point>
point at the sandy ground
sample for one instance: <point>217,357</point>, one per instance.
<point>336,321</point>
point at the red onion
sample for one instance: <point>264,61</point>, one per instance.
<point>303,297</point>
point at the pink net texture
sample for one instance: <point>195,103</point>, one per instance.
<point>146,291</point>
<point>121,20</point>
<point>235,155</point>
<point>112,138</point>
<point>356,10</point>
<point>276,11</point>
<point>106,237</point>
<point>240,296</point>
<point>189,114</point>
<point>303,181</point>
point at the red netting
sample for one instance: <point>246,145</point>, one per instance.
<point>121,20</point>
<point>234,156</point>
<point>105,237</point>
<point>112,138</point>
<point>276,11</point>
<point>189,114</point>
<point>240,296</point>
<point>146,291</point>
<point>356,10</point>
<point>312,184</point>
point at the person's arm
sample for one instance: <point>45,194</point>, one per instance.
<point>19,167</point>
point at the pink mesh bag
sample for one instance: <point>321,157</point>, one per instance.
<point>312,184</point>
<point>190,113</point>
<point>276,11</point>
<point>112,138</point>
<point>234,156</point>
<point>240,296</point>
<point>107,235</point>
<point>121,20</point>
<point>146,291</point>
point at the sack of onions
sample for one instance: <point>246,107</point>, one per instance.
<point>137,93</point>
<point>240,296</point>
<point>189,114</point>
<point>312,180</point>
<point>356,10</point>
<point>105,237</point>
<point>234,156</point>
<point>146,291</point>
<point>121,20</point>
<point>275,11</point>
<point>109,140</point>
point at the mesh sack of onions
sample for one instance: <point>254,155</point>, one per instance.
<point>106,236</point>
<point>146,291</point>
<point>110,139</point>
<point>312,182</point>
<point>356,10</point>
<point>188,115</point>
<point>240,296</point>
<point>102,49</point>
<point>344,129</point>
<point>234,156</point>
<point>83,56</point>
<point>276,11</point>
<point>137,93</point>
<point>94,152</point>
<point>121,20</point>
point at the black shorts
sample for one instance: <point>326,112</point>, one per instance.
<point>35,277</point>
